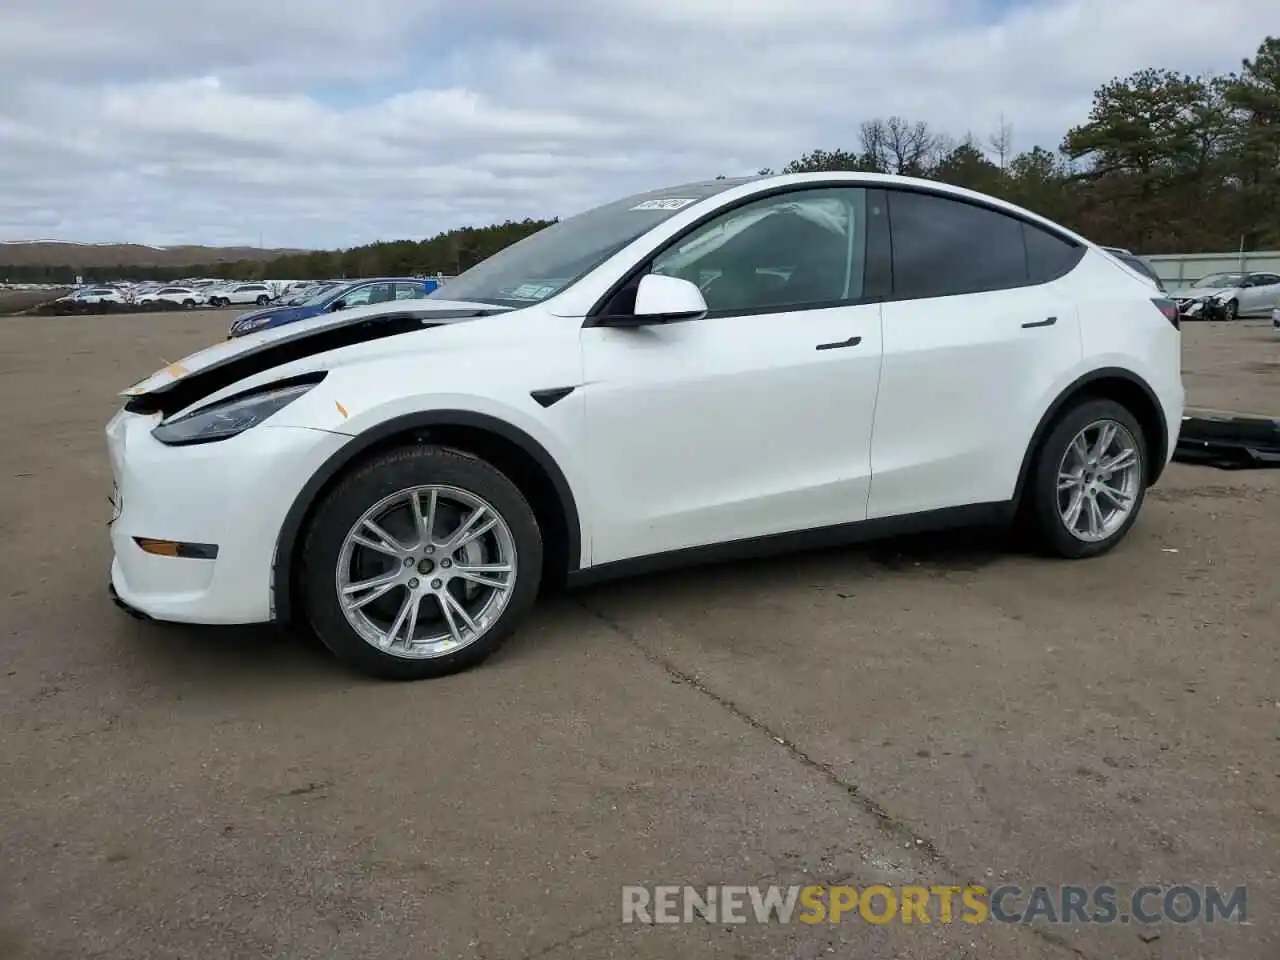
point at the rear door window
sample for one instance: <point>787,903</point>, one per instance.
<point>944,247</point>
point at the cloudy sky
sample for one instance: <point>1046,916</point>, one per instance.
<point>322,123</point>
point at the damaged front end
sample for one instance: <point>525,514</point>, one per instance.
<point>181,384</point>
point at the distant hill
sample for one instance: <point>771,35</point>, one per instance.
<point>65,253</point>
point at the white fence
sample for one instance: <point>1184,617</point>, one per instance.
<point>1179,270</point>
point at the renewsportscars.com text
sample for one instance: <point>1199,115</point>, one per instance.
<point>1009,904</point>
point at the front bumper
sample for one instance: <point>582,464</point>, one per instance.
<point>1195,309</point>
<point>234,493</point>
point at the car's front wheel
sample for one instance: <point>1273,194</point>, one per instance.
<point>420,563</point>
<point>1231,311</point>
<point>1089,480</point>
<point>262,301</point>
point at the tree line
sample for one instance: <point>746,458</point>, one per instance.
<point>446,253</point>
<point>1164,163</point>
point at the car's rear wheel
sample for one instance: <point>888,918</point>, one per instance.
<point>1089,480</point>
<point>420,563</point>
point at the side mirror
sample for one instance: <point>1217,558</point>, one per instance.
<point>662,299</point>
<point>337,305</point>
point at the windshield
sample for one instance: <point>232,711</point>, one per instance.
<point>1220,280</point>
<point>544,263</point>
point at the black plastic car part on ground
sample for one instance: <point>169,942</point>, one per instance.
<point>1232,441</point>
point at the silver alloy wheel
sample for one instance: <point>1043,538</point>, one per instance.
<point>395,557</point>
<point>1098,480</point>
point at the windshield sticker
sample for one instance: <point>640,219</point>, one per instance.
<point>526,291</point>
<point>667,203</point>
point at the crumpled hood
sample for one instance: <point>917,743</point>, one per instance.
<point>229,361</point>
<point>1204,293</point>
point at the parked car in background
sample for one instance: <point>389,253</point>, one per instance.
<point>303,293</point>
<point>698,373</point>
<point>258,293</point>
<point>1137,263</point>
<point>1227,296</point>
<point>179,296</point>
<point>356,293</point>
<point>97,295</point>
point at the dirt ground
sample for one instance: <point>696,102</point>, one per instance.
<point>15,301</point>
<point>927,712</point>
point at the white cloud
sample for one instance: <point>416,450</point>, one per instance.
<point>325,122</point>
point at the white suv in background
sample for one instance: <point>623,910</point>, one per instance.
<point>241,293</point>
<point>98,295</point>
<point>710,371</point>
<point>179,296</point>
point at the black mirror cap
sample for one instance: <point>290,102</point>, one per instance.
<point>648,320</point>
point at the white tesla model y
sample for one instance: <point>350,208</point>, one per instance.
<point>708,371</point>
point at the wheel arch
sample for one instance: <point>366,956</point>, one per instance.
<point>1110,383</point>
<point>525,461</point>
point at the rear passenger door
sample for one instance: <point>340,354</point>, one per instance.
<point>416,290</point>
<point>977,336</point>
<point>368,294</point>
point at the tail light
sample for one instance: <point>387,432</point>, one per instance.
<point>1170,311</point>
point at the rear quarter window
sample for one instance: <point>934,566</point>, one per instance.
<point>1048,255</point>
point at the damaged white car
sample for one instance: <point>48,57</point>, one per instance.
<point>1231,296</point>
<point>704,372</point>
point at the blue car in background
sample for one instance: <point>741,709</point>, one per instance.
<point>354,293</point>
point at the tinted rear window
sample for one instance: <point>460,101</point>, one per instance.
<point>944,247</point>
<point>1048,256</point>
<point>1141,266</point>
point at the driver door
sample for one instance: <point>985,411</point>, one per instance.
<point>755,419</point>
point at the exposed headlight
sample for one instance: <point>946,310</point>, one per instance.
<point>230,417</point>
<point>241,327</point>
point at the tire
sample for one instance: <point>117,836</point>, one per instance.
<point>1047,502</point>
<point>1231,311</point>
<point>188,304</point>
<point>262,301</point>
<point>329,556</point>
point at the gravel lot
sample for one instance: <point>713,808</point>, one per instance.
<point>929,712</point>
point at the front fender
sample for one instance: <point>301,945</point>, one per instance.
<point>379,426</point>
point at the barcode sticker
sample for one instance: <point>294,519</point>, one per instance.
<point>667,203</point>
